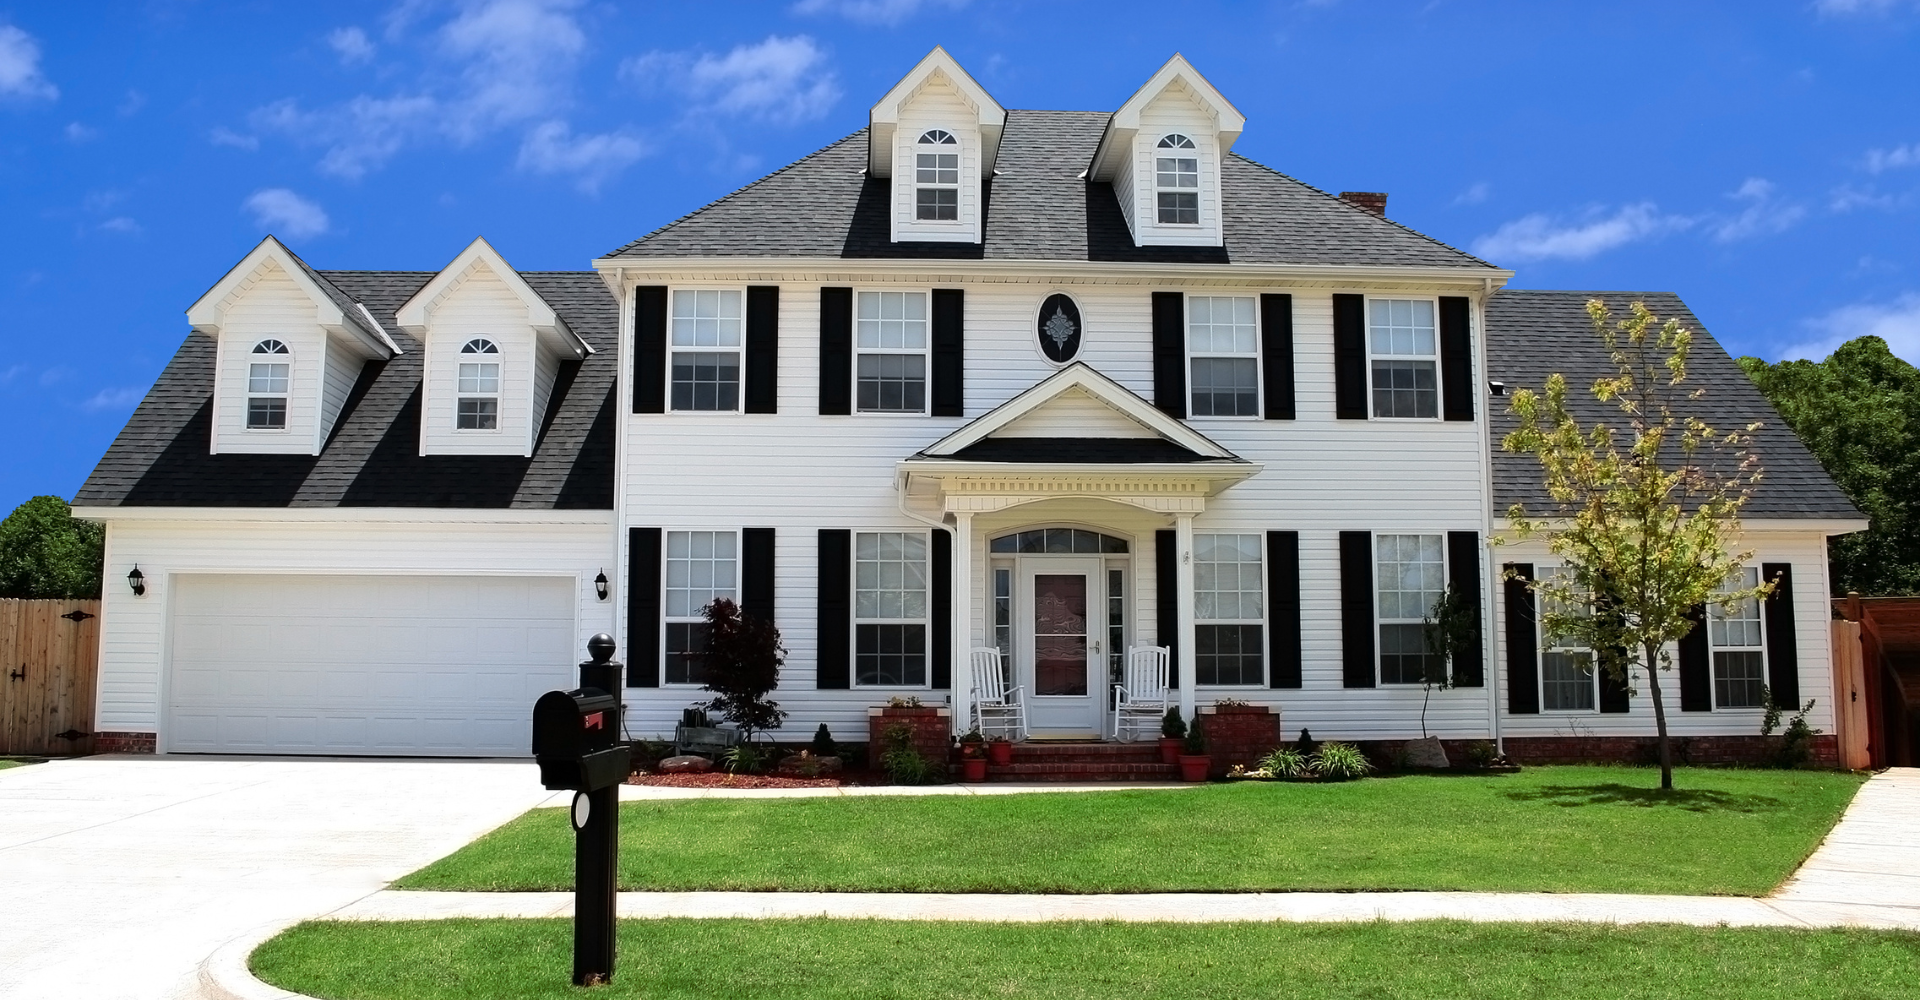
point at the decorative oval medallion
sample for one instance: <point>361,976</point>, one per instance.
<point>1059,328</point>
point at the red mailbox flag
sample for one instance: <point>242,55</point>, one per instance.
<point>595,721</point>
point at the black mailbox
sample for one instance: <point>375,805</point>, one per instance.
<point>574,737</point>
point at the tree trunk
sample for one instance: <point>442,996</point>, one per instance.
<point>1660,718</point>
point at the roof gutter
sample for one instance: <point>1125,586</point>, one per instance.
<point>1478,278</point>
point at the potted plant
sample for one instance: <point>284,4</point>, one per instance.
<point>999,751</point>
<point>1195,762</point>
<point>1172,731</point>
<point>973,755</point>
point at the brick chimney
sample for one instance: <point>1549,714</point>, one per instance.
<point>1372,201</point>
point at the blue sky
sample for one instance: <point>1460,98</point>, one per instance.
<point>1761,159</point>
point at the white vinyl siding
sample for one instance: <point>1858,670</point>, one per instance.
<point>273,307</point>
<point>480,307</point>
<point>1228,610</point>
<point>890,608</point>
<point>1735,635</point>
<point>1173,112</point>
<point>955,169</point>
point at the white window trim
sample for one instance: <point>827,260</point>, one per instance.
<point>286,425</point>
<point>1439,389</point>
<point>925,352</point>
<point>666,619</point>
<point>1540,667</point>
<point>1199,182</point>
<point>1446,576</point>
<point>740,404</point>
<point>1266,664</point>
<point>958,147</point>
<point>497,358</point>
<point>854,621</point>
<point>1259,358</point>
<point>1766,665</point>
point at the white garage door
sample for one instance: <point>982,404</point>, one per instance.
<point>365,665</point>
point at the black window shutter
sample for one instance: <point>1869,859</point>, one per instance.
<point>948,395</point>
<point>1283,609</point>
<point>1350,357</point>
<point>1614,695</point>
<point>1276,350</point>
<point>1523,642</point>
<point>1783,654</point>
<point>650,349</point>
<point>643,607</point>
<point>835,619</point>
<point>763,349</point>
<point>1170,353</point>
<point>1463,555</point>
<point>836,352</point>
<point>1166,591</point>
<point>1456,359</point>
<point>1356,609</point>
<point>1696,665</point>
<point>756,573</point>
<point>940,615</point>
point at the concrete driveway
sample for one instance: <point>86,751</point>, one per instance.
<point>119,875</point>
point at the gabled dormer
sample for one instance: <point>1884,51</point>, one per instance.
<point>1162,152</point>
<point>492,352</point>
<point>936,135</point>
<point>290,346</point>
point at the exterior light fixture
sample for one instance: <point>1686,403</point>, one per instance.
<point>599,584</point>
<point>138,581</point>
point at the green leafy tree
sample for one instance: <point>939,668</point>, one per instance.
<point>45,553</point>
<point>1645,509</point>
<point>1452,628</point>
<point>1859,413</point>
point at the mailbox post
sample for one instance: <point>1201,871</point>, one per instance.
<point>576,742</point>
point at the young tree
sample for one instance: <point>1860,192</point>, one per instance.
<point>46,554</point>
<point>1452,628</point>
<point>1644,513</point>
<point>742,663</point>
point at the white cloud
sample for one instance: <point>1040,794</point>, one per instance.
<point>783,80</point>
<point>131,104</point>
<point>551,148</point>
<point>227,137</point>
<point>20,66</point>
<point>1896,322</point>
<point>1842,8</point>
<point>511,50</point>
<point>360,135</point>
<point>1541,237</point>
<point>76,132</point>
<point>123,225</point>
<point>887,12</point>
<point>286,214</point>
<point>1846,198</point>
<point>1474,195</point>
<point>1880,160</point>
<point>352,46</point>
<point>113,399</point>
<point>1763,216</point>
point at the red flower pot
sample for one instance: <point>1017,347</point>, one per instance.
<point>1194,767</point>
<point>1000,753</point>
<point>973,769</point>
<point>1170,750</point>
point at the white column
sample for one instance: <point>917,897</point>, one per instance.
<point>1183,608</point>
<point>962,625</point>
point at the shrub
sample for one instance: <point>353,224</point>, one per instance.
<point>905,765</point>
<point>1480,754</point>
<point>823,745</point>
<point>742,662</point>
<point>1196,743</point>
<point>1172,727</point>
<point>1285,762</point>
<point>744,757</point>
<point>1796,747</point>
<point>1335,761</point>
<point>1305,744</point>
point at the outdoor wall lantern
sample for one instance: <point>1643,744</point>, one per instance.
<point>138,581</point>
<point>599,584</point>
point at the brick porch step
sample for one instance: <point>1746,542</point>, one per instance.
<point>1083,762</point>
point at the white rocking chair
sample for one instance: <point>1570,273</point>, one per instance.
<point>998,709</point>
<point>1141,701</point>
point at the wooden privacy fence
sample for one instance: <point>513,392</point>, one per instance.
<point>50,655</point>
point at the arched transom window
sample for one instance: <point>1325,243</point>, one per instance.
<point>268,375</point>
<point>1176,181</point>
<point>937,177</point>
<point>479,402</point>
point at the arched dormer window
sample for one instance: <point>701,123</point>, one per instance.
<point>479,402</point>
<point>268,375</point>
<point>1176,181</point>
<point>937,177</point>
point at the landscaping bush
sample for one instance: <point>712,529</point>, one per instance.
<point>1173,727</point>
<point>905,765</point>
<point>1796,746</point>
<point>823,745</point>
<point>1335,761</point>
<point>1285,762</point>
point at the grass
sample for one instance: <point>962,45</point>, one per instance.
<point>1551,829</point>
<point>774,959</point>
<point>4,764</point>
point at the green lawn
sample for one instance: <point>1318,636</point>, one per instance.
<point>1553,829</point>
<point>772,959</point>
<point>4,764</point>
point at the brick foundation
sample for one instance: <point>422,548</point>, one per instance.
<point>1646,749</point>
<point>1240,734</point>
<point>124,742</point>
<point>932,731</point>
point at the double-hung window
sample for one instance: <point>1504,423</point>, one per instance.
<point>891,364</point>
<point>1227,610</point>
<point>1569,681</point>
<point>268,375</point>
<point>706,336</point>
<point>1223,346</point>
<point>1400,345</point>
<point>890,608</point>
<point>1176,181</point>
<point>936,177</point>
<point>479,396</point>
<point>1734,633</point>
<point>1411,575</point>
<point>701,567</point>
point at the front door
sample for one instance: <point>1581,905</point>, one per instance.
<point>1058,653</point>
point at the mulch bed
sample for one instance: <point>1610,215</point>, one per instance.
<point>716,779</point>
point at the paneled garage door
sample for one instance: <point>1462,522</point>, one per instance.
<point>364,664</point>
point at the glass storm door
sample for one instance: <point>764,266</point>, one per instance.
<point>1060,661</point>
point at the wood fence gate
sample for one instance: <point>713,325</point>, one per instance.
<point>50,654</point>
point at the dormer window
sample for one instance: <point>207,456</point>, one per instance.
<point>267,378</point>
<point>479,399</point>
<point>937,177</point>
<point>1176,181</point>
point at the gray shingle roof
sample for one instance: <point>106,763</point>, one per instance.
<point>1532,334</point>
<point>372,460</point>
<point>1037,208</point>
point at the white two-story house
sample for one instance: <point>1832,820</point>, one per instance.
<point>1055,383</point>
